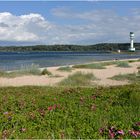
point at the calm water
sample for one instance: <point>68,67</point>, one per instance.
<point>14,60</point>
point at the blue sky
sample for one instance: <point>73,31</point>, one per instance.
<point>68,22</point>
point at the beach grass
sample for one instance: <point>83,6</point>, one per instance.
<point>25,70</point>
<point>65,68</point>
<point>133,77</point>
<point>78,79</point>
<point>33,112</point>
<point>90,66</point>
<point>101,65</point>
<point>123,64</point>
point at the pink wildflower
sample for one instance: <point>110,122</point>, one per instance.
<point>6,113</point>
<point>111,134</point>
<point>131,132</point>
<point>121,132</point>
<point>50,108</point>
<point>138,123</point>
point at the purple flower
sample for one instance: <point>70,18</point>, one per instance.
<point>138,123</point>
<point>111,134</point>
<point>131,132</point>
<point>6,113</point>
<point>120,132</point>
<point>101,130</point>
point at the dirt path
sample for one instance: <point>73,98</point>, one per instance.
<point>101,74</point>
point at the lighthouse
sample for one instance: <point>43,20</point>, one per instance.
<point>132,49</point>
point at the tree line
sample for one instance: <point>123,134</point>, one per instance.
<point>96,47</point>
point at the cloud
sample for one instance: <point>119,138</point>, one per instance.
<point>103,25</point>
<point>97,26</point>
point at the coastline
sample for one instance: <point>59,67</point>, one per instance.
<point>103,75</point>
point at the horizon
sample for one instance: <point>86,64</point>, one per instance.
<point>73,22</point>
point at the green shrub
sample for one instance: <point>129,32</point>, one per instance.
<point>46,72</point>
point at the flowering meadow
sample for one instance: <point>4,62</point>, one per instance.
<point>68,113</point>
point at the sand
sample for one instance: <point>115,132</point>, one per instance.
<point>101,74</point>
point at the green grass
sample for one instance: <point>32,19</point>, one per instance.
<point>123,64</point>
<point>78,79</point>
<point>90,66</point>
<point>133,78</point>
<point>69,113</point>
<point>65,68</point>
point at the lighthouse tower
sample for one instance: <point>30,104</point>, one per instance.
<point>131,42</point>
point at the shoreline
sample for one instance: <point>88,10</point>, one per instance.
<point>102,75</point>
<point>100,61</point>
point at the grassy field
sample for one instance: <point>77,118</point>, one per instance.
<point>64,112</point>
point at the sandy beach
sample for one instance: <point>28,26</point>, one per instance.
<point>102,75</point>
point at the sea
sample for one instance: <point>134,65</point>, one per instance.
<point>16,60</point>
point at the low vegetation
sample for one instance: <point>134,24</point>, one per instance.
<point>90,66</point>
<point>131,61</point>
<point>46,72</point>
<point>70,113</point>
<point>101,65</point>
<point>78,79</point>
<point>133,77</point>
<point>123,64</point>
<point>65,68</point>
<point>25,70</point>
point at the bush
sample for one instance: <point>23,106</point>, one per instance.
<point>46,72</point>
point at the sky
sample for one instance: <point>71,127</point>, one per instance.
<point>68,22</point>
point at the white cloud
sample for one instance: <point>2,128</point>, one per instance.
<point>100,26</point>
